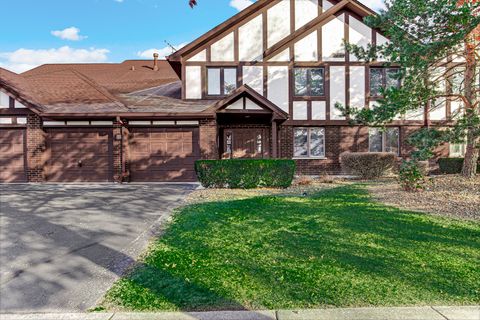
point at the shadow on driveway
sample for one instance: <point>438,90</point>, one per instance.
<point>62,246</point>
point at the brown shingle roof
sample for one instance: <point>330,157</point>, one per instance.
<point>125,77</point>
<point>129,87</point>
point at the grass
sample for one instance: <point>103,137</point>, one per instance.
<point>336,248</point>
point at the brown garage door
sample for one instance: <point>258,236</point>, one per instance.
<point>163,154</point>
<point>12,155</point>
<point>79,155</point>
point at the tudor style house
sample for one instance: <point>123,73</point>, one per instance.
<point>263,84</point>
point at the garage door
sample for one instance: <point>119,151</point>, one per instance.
<point>163,154</point>
<point>12,155</point>
<point>79,155</point>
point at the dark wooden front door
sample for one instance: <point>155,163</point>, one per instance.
<point>163,154</point>
<point>245,143</point>
<point>79,155</point>
<point>12,155</point>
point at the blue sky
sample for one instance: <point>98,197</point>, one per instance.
<point>55,31</point>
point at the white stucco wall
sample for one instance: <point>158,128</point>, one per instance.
<point>333,34</point>
<point>300,110</point>
<point>223,49</point>
<point>278,22</point>
<point>306,49</point>
<point>357,86</point>
<point>277,86</point>
<point>319,110</point>
<point>250,38</point>
<point>253,77</point>
<point>199,57</point>
<point>193,82</point>
<point>337,91</point>
<point>359,34</point>
<point>305,11</point>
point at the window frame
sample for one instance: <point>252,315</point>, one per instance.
<point>222,81</point>
<point>452,154</point>
<point>308,93</point>
<point>384,140</point>
<point>384,79</point>
<point>309,148</point>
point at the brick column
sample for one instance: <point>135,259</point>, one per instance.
<point>208,139</point>
<point>35,148</point>
<point>117,153</point>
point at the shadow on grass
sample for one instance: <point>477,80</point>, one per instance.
<point>336,248</point>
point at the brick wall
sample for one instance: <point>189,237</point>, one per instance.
<point>208,139</point>
<point>35,148</point>
<point>117,153</point>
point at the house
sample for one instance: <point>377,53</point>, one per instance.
<point>263,84</point>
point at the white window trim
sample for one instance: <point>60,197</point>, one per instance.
<point>308,144</point>
<point>454,154</point>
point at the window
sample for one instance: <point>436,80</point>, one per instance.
<point>221,81</point>
<point>457,150</point>
<point>309,142</point>
<point>309,82</point>
<point>381,78</point>
<point>384,140</point>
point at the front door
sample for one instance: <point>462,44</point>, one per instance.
<point>245,143</point>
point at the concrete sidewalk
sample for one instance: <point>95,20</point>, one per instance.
<point>403,313</point>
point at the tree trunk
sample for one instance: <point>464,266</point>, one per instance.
<point>471,155</point>
<point>469,169</point>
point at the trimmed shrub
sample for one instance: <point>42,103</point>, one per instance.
<point>368,165</point>
<point>452,165</point>
<point>245,173</point>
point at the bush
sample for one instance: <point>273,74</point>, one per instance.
<point>368,165</point>
<point>452,165</point>
<point>411,176</point>
<point>245,173</point>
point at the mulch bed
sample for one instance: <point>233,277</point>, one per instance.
<point>446,195</point>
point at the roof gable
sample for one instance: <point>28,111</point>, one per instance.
<point>254,10</point>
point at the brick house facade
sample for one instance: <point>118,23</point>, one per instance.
<point>263,84</point>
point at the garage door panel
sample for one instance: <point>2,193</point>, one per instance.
<point>163,154</point>
<point>12,156</point>
<point>79,155</point>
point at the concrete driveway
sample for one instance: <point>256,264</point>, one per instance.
<point>62,246</point>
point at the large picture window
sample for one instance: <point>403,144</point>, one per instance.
<point>384,140</point>
<point>381,78</point>
<point>309,142</point>
<point>221,81</point>
<point>309,82</point>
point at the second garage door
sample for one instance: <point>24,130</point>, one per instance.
<point>163,154</point>
<point>12,159</point>
<point>79,155</point>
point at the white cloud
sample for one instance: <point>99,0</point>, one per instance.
<point>163,52</point>
<point>374,4</point>
<point>24,59</point>
<point>240,4</point>
<point>71,33</point>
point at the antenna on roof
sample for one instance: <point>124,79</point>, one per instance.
<point>170,45</point>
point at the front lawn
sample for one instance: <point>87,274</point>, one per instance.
<point>336,248</point>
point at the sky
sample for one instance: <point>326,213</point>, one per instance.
<point>75,31</point>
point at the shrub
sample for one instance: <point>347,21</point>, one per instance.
<point>368,165</point>
<point>245,173</point>
<point>411,176</point>
<point>452,165</point>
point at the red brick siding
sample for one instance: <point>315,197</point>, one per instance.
<point>35,148</point>
<point>208,139</point>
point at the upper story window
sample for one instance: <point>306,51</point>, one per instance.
<point>309,82</point>
<point>221,81</point>
<point>381,78</point>
<point>309,142</point>
<point>387,140</point>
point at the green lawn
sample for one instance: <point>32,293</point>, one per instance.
<point>336,248</point>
